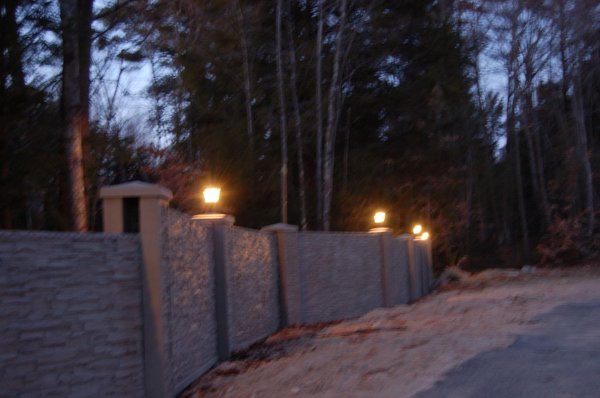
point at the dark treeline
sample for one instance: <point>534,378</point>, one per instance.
<point>315,113</point>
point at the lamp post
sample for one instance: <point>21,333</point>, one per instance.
<point>219,224</point>
<point>417,229</point>
<point>211,197</point>
<point>419,233</point>
<point>379,217</point>
<point>379,220</point>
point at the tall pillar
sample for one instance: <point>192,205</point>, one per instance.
<point>385,235</point>
<point>424,264</point>
<point>219,224</point>
<point>290,288</point>
<point>414,281</point>
<point>138,206</point>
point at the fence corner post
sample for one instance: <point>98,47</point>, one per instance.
<point>138,207</point>
<point>219,224</point>
<point>385,235</point>
<point>290,279</point>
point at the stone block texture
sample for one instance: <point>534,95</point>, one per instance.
<point>188,277</point>
<point>70,315</point>
<point>341,275</point>
<point>252,286</point>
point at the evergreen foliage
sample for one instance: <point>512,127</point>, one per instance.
<point>493,175</point>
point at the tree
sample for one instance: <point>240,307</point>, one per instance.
<point>76,49</point>
<point>333,111</point>
<point>282,114</point>
<point>297,123</point>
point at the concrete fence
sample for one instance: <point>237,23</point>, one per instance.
<point>147,312</point>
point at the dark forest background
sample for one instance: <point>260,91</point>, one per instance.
<point>315,113</point>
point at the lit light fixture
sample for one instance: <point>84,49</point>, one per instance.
<point>211,195</point>
<point>379,217</point>
<point>424,236</point>
<point>417,229</point>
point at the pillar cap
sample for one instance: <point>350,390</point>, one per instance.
<point>136,189</point>
<point>380,230</point>
<point>280,227</point>
<point>214,218</point>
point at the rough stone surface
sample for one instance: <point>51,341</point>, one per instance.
<point>251,286</point>
<point>70,315</point>
<point>341,275</point>
<point>188,266</point>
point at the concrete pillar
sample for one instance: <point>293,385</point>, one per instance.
<point>290,280</point>
<point>429,265</point>
<point>385,235</point>
<point>219,224</point>
<point>414,281</point>
<point>401,264</point>
<point>152,200</point>
<point>424,264</point>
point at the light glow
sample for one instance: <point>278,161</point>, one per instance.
<point>424,236</point>
<point>211,195</point>
<point>379,217</point>
<point>417,229</point>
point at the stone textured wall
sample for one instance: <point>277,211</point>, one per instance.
<point>188,267</point>
<point>252,286</point>
<point>70,315</point>
<point>341,275</point>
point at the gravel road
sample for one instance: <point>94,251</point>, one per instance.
<point>420,348</point>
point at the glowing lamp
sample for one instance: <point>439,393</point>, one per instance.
<point>379,217</point>
<point>211,195</point>
<point>424,236</point>
<point>417,229</point>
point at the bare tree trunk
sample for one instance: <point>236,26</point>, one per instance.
<point>319,114</point>
<point>540,167</point>
<point>469,193</point>
<point>346,150</point>
<point>282,116</point>
<point>247,82</point>
<point>75,112</point>
<point>85,59</point>
<point>512,98</point>
<point>519,184</point>
<point>582,150</point>
<point>11,68</point>
<point>297,125</point>
<point>331,127</point>
<point>562,20</point>
<point>535,161</point>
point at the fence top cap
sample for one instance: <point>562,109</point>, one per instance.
<point>136,189</point>
<point>381,230</point>
<point>281,227</point>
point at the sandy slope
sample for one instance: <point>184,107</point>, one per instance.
<point>399,351</point>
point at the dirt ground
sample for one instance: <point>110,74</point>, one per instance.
<point>397,352</point>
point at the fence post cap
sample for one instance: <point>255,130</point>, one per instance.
<point>136,189</point>
<point>280,227</point>
<point>214,218</point>
<point>380,230</point>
